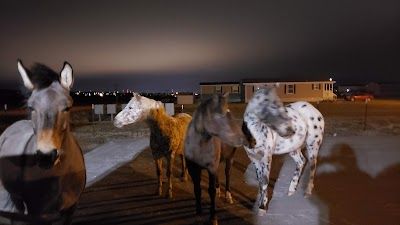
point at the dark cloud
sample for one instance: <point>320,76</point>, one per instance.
<point>151,42</point>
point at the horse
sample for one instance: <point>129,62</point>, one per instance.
<point>166,133</point>
<point>271,128</point>
<point>212,125</point>
<point>41,164</point>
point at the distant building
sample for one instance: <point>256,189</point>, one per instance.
<point>234,88</point>
<point>184,99</point>
<point>288,91</point>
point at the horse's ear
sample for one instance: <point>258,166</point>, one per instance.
<point>137,96</point>
<point>67,79</point>
<point>22,71</point>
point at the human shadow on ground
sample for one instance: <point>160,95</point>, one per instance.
<point>354,197</point>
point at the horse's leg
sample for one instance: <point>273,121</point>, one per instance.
<point>170,161</point>
<point>217,186</point>
<point>195,174</point>
<point>67,214</point>
<point>184,170</point>
<point>159,175</point>
<point>263,169</point>
<point>228,166</point>
<point>212,192</point>
<point>298,157</point>
<point>312,154</point>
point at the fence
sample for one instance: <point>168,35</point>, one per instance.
<point>110,110</point>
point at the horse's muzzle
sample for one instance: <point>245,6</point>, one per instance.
<point>47,160</point>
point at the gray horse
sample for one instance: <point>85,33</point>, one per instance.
<point>212,129</point>
<point>41,164</point>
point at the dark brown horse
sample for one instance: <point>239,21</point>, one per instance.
<point>211,127</point>
<point>41,164</point>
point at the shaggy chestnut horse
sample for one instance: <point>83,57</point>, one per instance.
<point>167,133</point>
<point>212,125</point>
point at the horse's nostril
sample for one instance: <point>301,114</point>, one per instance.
<point>48,159</point>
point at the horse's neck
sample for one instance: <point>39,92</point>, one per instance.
<point>250,117</point>
<point>159,122</point>
<point>152,104</point>
<point>256,126</point>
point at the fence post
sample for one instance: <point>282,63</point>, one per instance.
<point>365,114</point>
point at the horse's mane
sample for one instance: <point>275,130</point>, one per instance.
<point>199,114</point>
<point>165,126</point>
<point>203,111</point>
<point>166,121</point>
<point>42,76</point>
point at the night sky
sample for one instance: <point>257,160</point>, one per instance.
<point>164,45</point>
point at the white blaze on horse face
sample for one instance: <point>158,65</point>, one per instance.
<point>137,109</point>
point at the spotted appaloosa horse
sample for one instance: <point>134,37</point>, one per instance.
<point>272,128</point>
<point>41,164</point>
<point>211,130</point>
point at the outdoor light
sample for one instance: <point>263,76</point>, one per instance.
<point>347,90</point>
<point>330,79</point>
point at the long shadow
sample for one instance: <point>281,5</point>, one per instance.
<point>131,199</point>
<point>353,196</point>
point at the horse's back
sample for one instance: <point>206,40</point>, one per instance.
<point>15,138</point>
<point>183,117</point>
<point>306,109</point>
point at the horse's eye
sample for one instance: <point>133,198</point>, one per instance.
<point>66,109</point>
<point>130,107</point>
<point>30,108</point>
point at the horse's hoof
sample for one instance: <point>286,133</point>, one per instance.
<point>159,192</point>
<point>290,193</point>
<point>307,194</point>
<point>229,198</point>
<point>218,192</point>
<point>261,212</point>
<point>198,219</point>
<point>170,194</point>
